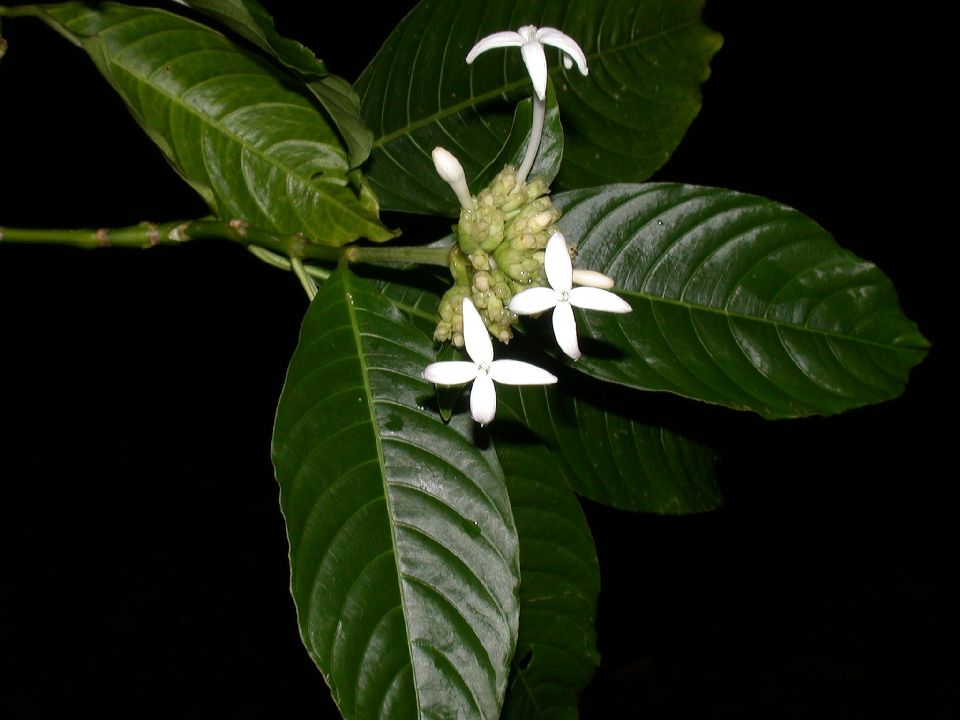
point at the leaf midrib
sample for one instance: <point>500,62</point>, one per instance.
<point>729,314</point>
<point>506,88</point>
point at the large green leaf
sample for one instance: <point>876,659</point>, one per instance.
<point>556,651</point>
<point>245,135</point>
<point>403,549</point>
<point>609,457</point>
<point>737,300</point>
<point>250,20</point>
<point>621,122</point>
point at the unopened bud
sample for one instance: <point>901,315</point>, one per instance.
<point>481,281</point>
<point>450,169</point>
<point>536,187</point>
<point>592,278</point>
<point>480,261</point>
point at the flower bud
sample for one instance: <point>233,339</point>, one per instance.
<point>592,278</point>
<point>450,169</point>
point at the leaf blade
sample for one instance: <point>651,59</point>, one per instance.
<point>608,456</point>
<point>250,20</point>
<point>556,650</point>
<point>737,300</point>
<point>392,515</point>
<point>239,131</point>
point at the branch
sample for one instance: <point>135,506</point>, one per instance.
<point>294,246</point>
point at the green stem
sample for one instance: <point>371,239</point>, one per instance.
<point>309,286</point>
<point>146,235</point>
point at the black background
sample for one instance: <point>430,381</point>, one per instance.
<point>143,559</point>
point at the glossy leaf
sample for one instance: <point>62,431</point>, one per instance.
<point>737,300</point>
<point>341,101</point>
<point>556,652</point>
<point>250,20</point>
<point>403,549</point>
<point>607,456</point>
<point>621,122</point>
<point>247,137</point>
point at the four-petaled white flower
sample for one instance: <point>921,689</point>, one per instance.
<point>562,297</point>
<point>483,370</point>
<point>531,40</point>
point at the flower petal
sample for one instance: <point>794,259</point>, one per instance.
<point>565,329</point>
<point>514,372</point>
<point>508,38</point>
<point>552,36</point>
<point>453,372</point>
<point>533,300</point>
<point>556,263</point>
<point>483,399</point>
<point>596,299</point>
<point>536,62</point>
<point>475,335</point>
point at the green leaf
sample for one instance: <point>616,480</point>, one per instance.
<point>247,137</point>
<point>556,652</point>
<point>737,300</point>
<point>608,456</point>
<point>343,104</point>
<point>250,20</point>
<point>403,549</point>
<point>621,122</point>
<point>547,162</point>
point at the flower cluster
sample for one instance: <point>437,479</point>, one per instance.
<point>510,259</point>
<point>501,239</point>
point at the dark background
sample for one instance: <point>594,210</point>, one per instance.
<point>142,553</point>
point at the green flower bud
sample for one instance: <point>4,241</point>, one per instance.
<point>451,313</point>
<point>480,260</point>
<point>481,281</point>
<point>459,267</point>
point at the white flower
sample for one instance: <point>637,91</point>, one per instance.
<point>562,297</point>
<point>450,169</point>
<point>531,40</point>
<point>483,370</point>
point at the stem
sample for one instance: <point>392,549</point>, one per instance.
<point>147,235</point>
<point>283,263</point>
<point>309,286</point>
<point>536,132</point>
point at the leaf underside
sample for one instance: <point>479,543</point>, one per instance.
<point>737,300</point>
<point>403,550</point>
<point>621,122</point>
<point>245,135</point>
